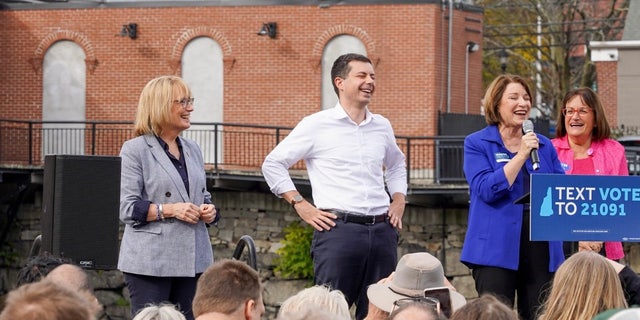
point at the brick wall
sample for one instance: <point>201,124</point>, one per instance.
<point>266,81</point>
<point>607,81</point>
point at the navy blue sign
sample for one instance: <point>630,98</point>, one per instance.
<point>585,207</point>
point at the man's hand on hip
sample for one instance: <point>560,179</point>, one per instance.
<point>318,219</point>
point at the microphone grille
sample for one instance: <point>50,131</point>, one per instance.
<point>527,126</point>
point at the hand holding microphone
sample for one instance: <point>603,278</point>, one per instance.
<point>527,126</point>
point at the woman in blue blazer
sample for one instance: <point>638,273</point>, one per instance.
<point>497,168</point>
<point>164,202</point>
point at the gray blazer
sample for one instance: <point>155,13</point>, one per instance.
<point>172,247</point>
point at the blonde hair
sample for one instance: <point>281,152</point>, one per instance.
<point>584,285</point>
<point>321,296</point>
<point>154,105</point>
<point>159,312</point>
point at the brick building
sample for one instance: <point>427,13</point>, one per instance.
<point>82,61</point>
<point>618,73</point>
<point>263,80</point>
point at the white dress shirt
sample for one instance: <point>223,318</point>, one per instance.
<point>347,163</point>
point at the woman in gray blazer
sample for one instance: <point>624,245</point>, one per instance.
<point>164,202</point>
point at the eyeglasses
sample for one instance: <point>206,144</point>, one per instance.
<point>185,102</point>
<point>428,301</point>
<point>581,112</point>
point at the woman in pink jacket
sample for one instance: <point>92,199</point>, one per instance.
<point>584,147</point>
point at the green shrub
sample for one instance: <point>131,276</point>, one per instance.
<point>294,261</point>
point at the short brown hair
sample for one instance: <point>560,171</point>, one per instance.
<point>601,129</point>
<point>45,300</point>
<point>225,286</point>
<point>494,94</point>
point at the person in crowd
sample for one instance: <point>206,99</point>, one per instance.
<point>312,312</point>
<point>229,290</point>
<point>486,307</point>
<point>159,312</point>
<point>349,153</point>
<point>320,296</point>
<point>164,202</point>
<point>71,276</point>
<point>419,277</point>
<point>74,278</point>
<point>584,145</point>
<point>630,282</point>
<point>45,300</point>
<point>415,310</point>
<point>37,267</point>
<point>497,166</point>
<point>584,285</point>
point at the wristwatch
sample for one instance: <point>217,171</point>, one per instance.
<point>295,200</point>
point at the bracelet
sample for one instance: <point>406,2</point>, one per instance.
<point>160,215</point>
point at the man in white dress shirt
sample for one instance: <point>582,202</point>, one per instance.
<point>349,153</point>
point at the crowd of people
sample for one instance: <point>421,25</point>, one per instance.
<point>417,289</point>
<point>358,178</point>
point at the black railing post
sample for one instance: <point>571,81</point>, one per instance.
<point>436,153</point>
<point>408,157</point>
<point>215,147</point>
<point>93,138</point>
<point>30,143</point>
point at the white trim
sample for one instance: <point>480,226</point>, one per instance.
<point>604,54</point>
<point>629,44</point>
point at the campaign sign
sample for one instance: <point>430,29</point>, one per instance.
<point>585,207</point>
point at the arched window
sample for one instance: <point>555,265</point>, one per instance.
<point>202,69</point>
<point>63,98</point>
<point>336,47</point>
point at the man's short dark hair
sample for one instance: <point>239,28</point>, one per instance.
<point>341,67</point>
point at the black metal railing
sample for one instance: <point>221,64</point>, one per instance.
<point>246,242</point>
<point>227,147</point>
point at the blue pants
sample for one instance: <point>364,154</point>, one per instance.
<point>352,256</point>
<point>145,290</point>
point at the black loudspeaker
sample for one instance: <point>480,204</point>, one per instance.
<point>81,200</point>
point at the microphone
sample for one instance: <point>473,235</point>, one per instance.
<point>527,126</point>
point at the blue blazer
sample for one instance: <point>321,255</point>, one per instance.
<point>495,222</point>
<point>171,248</point>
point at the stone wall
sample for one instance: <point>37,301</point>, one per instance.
<point>439,231</point>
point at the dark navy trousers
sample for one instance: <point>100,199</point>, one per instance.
<point>531,281</point>
<point>352,256</point>
<point>145,290</point>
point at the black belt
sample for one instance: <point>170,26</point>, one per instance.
<point>358,218</point>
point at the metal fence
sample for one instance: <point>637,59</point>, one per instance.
<point>226,147</point>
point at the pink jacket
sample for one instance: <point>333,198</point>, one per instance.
<point>608,159</point>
